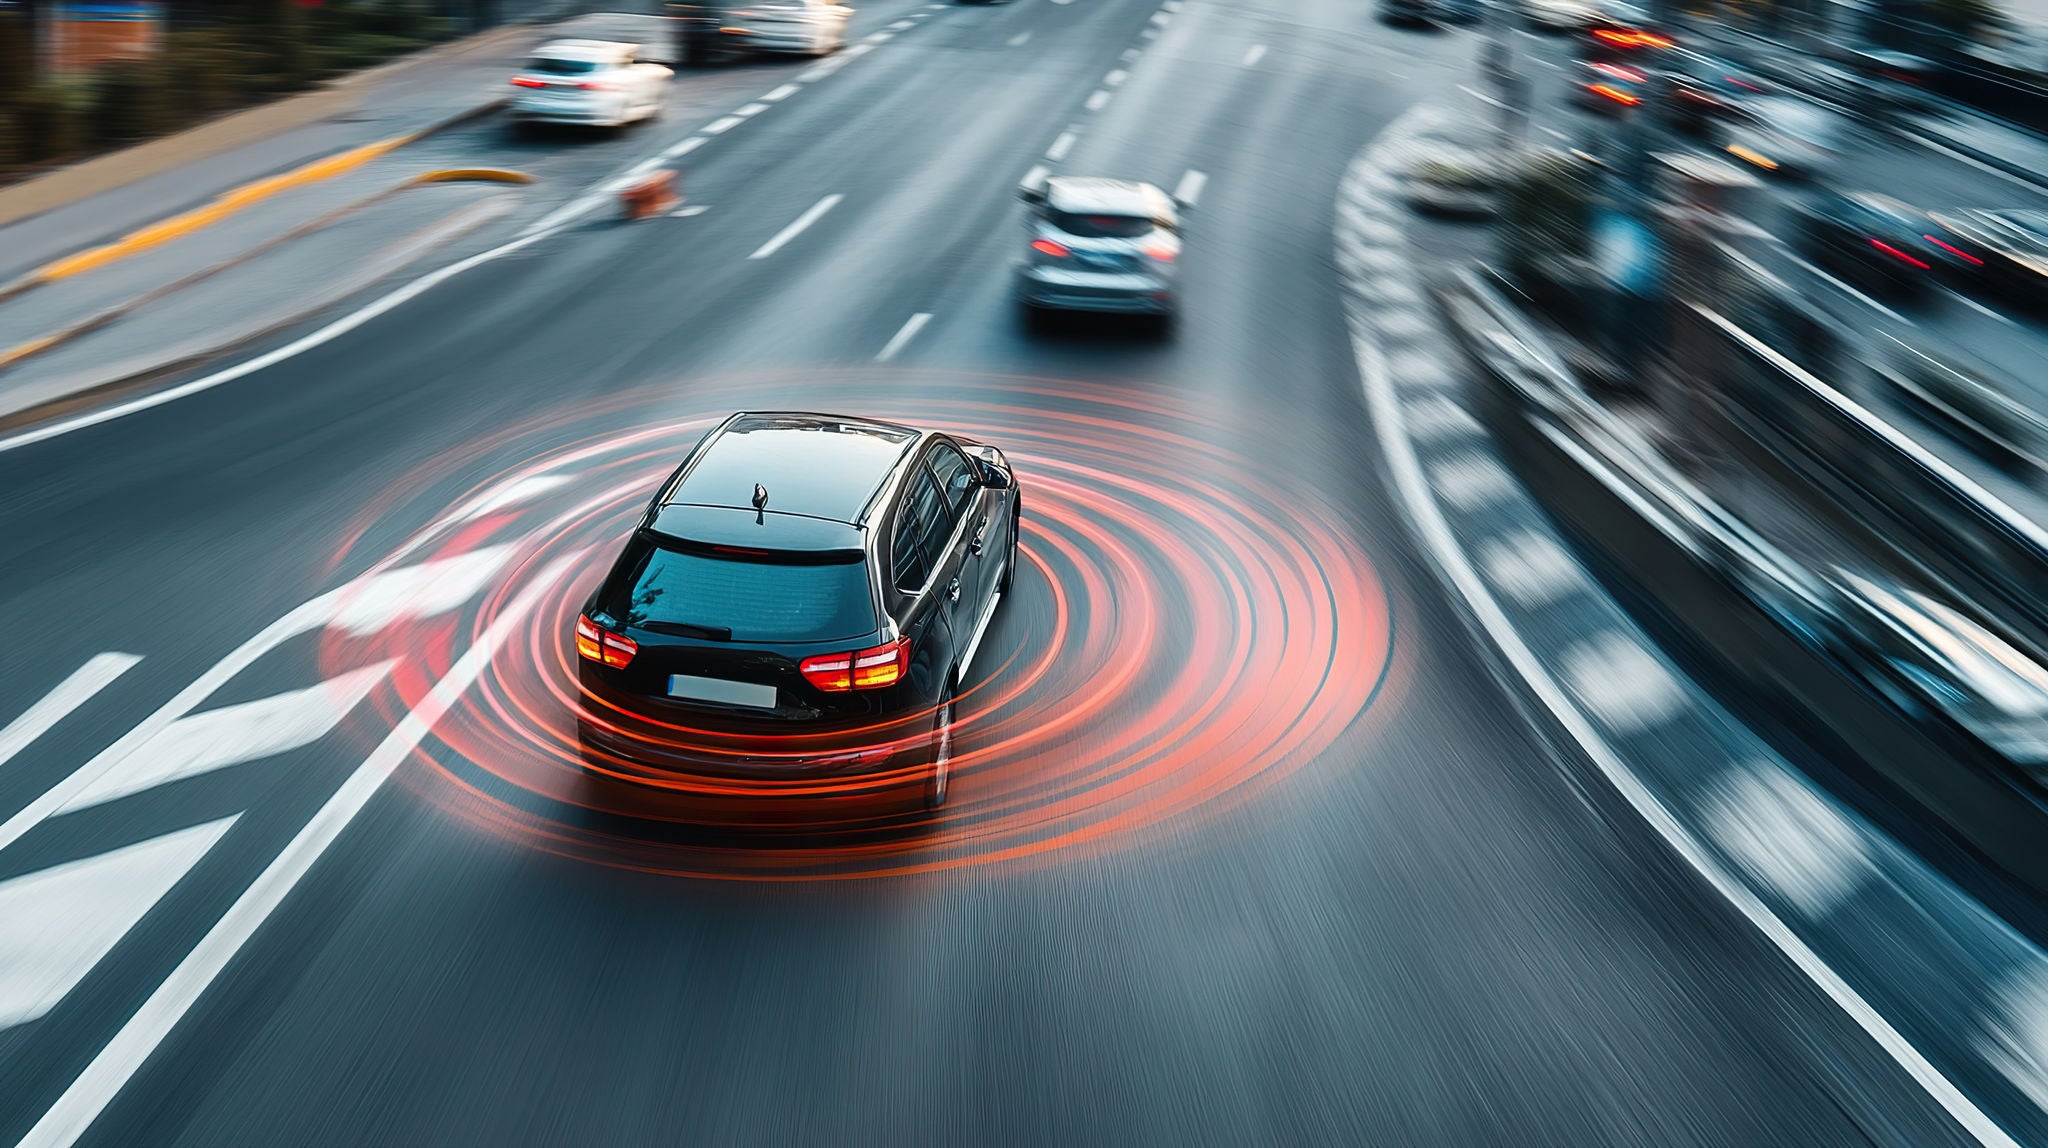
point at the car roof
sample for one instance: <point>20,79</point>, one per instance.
<point>584,49</point>
<point>1088,194</point>
<point>817,466</point>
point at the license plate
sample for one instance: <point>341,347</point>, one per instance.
<point>722,692</point>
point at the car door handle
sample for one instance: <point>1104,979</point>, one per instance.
<point>953,590</point>
<point>980,538</point>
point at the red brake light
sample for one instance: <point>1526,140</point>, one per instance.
<point>867,669</point>
<point>528,82</point>
<point>1897,254</point>
<point>1162,254</point>
<point>595,86</point>
<point>1048,247</point>
<point>1615,94</point>
<point>1953,250</point>
<point>596,644</point>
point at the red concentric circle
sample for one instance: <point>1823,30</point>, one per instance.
<point>1185,628</point>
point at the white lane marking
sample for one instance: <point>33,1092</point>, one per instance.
<point>690,210</point>
<point>1423,514</point>
<point>1529,567</point>
<point>231,735</point>
<point>1171,5</point>
<point>1621,683</point>
<point>855,52</point>
<point>1147,34</point>
<point>1189,190</point>
<point>1437,417</point>
<point>2018,1041</point>
<point>377,600</point>
<point>1063,2</point>
<point>491,501</point>
<point>61,921</point>
<point>821,69</point>
<point>1096,101</point>
<point>1469,481</point>
<point>1482,97</point>
<point>1973,161</point>
<point>92,1090</point>
<point>1418,368</point>
<point>1159,19</point>
<point>1834,282</point>
<point>330,332</point>
<point>780,94</point>
<point>907,332</point>
<point>988,613</point>
<point>900,25</point>
<point>753,109</point>
<point>796,228</point>
<point>878,37</point>
<point>1788,836</point>
<point>720,125</point>
<point>77,688</point>
<point>1061,146</point>
<point>1980,308</point>
<point>642,168</point>
<point>1035,176</point>
<point>1253,55</point>
<point>1130,54</point>
<point>1115,78</point>
<point>1020,39</point>
<point>684,147</point>
<point>1401,324</point>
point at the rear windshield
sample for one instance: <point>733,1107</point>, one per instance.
<point>1101,226</point>
<point>757,599</point>
<point>549,66</point>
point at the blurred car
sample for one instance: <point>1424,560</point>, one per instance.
<point>599,82</point>
<point>800,603</point>
<point>1100,245</point>
<point>1461,12</point>
<point>1559,15</point>
<point>1705,89</point>
<point>1406,11</point>
<point>805,27</point>
<point>1896,80</point>
<point>1609,87</point>
<point>1879,241</point>
<point>1624,26</point>
<point>2007,250</point>
<point>1787,136</point>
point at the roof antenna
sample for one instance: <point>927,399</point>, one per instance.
<point>760,504</point>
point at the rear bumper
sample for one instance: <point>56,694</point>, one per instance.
<point>608,112</point>
<point>1123,294</point>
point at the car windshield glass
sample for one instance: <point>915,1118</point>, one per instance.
<point>1083,225</point>
<point>759,600</point>
<point>551,66</point>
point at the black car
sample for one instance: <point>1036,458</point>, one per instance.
<point>2007,252</point>
<point>1880,241</point>
<point>796,610</point>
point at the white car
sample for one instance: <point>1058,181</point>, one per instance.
<point>809,27</point>
<point>599,82</point>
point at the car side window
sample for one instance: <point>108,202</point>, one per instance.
<point>955,476</point>
<point>922,515</point>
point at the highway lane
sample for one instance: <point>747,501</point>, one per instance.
<point>1421,936</point>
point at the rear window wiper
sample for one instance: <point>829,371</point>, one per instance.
<point>690,630</point>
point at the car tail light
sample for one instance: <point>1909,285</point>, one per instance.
<point>596,85</point>
<point>528,82</point>
<point>867,669</point>
<point>1954,250</point>
<point>1626,99</point>
<point>1897,254</point>
<point>1048,247</point>
<point>1162,254</point>
<point>594,643</point>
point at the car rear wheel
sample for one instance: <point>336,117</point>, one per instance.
<point>940,781</point>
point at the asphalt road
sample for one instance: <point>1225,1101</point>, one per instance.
<point>1355,902</point>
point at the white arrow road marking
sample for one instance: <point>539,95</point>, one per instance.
<point>232,735</point>
<point>96,674</point>
<point>375,601</point>
<point>89,1094</point>
<point>62,920</point>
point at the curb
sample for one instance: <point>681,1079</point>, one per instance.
<point>24,351</point>
<point>231,201</point>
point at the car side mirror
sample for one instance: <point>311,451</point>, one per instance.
<point>1032,193</point>
<point>995,477</point>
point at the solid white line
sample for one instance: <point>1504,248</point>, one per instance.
<point>93,1089</point>
<point>796,228</point>
<point>1096,101</point>
<point>332,331</point>
<point>782,93</point>
<point>751,110</point>
<point>98,672</point>
<point>1958,296</point>
<point>1846,289</point>
<point>908,332</point>
<point>1061,146</point>
<point>1254,54</point>
<point>1189,190</point>
<point>1115,78</point>
<point>687,212</point>
<point>685,147</point>
<point>1019,40</point>
<point>721,125</point>
<point>1973,161</point>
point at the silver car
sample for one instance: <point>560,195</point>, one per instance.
<point>589,82</point>
<point>1100,245</point>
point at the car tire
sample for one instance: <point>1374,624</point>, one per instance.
<point>940,783</point>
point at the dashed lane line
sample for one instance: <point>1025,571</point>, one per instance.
<point>1020,39</point>
<point>782,93</point>
<point>78,688</point>
<point>751,110</point>
<point>688,211</point>
<point>1097,101</point>
<point>796,227</point>
<point>1189,190</point>
<point>1115,78</point>
<point>1253,55</point>
<point>721,125</point>
<point>903,336</point>
<point>1061,146</point>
